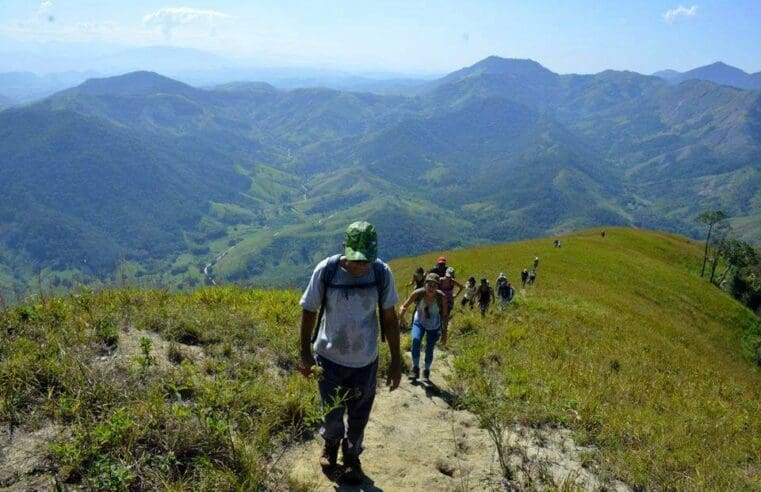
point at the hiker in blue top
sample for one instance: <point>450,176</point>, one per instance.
<point>345,290</point>
<point>431,319</point>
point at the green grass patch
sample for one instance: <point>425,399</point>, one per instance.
<point>621,341</point>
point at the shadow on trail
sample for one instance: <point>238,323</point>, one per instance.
<point>335,475</point>
<point>434,391</point>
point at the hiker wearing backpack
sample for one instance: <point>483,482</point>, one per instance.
<point>431,319</point>
<point>418,279</point>
<point>524,277</point>
<point>531,277</point>
<point>441,267</point>
<point>447,283</point>
<point>502,279</point>
<point>470,293</point>
<point>341,297</point>
<point>485,296</point>
<point>505,291</point>
<point>536,262</point>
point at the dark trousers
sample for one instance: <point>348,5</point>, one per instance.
<point>350,391</point>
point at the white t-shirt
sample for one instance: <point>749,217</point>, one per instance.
<point>348,333</point>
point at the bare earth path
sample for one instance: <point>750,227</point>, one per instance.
<point>416,441</point>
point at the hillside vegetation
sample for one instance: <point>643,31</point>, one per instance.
<point>620,341</point>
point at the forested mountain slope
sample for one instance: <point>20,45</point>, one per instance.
<point>256,183</point>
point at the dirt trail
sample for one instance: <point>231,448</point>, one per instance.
<point>416,440</point>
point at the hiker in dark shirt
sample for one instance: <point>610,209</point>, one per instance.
<point>485,296</point>
<point>524,277</point>
<point>441,267</point>
<point>505,291</point>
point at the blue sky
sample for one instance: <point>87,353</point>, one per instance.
<point>579,36</point>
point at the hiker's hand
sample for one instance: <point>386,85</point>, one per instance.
<point>307,365</point>
<point>394,375</point>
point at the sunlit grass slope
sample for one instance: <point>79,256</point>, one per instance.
<point>158,391</point>
<point>623,342</point>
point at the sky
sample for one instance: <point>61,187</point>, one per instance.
<point>410,36</point>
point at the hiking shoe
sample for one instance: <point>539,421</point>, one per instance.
<point>353,470</point>
<point>415,373</point>
<point>427,376</point>
<point>329,457</point>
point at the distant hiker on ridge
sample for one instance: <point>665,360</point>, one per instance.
<point>345,290</point>
<point>485,296</point>
<point>536,262</point>
<point>431,319</point>
<point>506,292</point>
<point>470,293</point>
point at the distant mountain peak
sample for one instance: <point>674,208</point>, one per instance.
<point>498,65</point>
<point>717,72</point>
<point>133,84</point>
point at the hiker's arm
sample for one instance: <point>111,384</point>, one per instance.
<point>444,319</point>
<point>391,330</point>
<point>403,308</point>
<point>306,360</point>
<point>459,287</point>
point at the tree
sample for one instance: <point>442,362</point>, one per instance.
<point>738,255</point>
<point>710,219</point>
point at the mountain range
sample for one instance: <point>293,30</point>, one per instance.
<point>143,177</point>
<point>719,73</point>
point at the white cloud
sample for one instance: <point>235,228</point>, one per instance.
<point>671,16</point>
<point>44,11</point>
<point>168,19</point>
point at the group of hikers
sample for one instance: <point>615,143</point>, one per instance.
<point>481,295</point>
<point>340,326</point>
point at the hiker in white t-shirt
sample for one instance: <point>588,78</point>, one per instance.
<point>346,290</point>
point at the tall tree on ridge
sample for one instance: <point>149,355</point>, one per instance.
<point>710,219</point>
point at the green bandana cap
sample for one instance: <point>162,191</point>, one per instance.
<point>361,242</point>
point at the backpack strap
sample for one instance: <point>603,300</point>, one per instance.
<point>379,272</point>
<point>379,282</point>
<point>327,279</point>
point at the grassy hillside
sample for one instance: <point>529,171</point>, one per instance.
<point>621,341</point>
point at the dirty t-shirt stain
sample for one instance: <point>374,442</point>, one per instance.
<point>348,333</point>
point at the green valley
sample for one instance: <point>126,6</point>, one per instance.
<point>143,179</point>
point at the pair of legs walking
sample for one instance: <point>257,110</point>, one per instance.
<point>350,392</point>
<point>431,337</point>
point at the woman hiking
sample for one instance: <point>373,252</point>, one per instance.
<point>418,278</point>
<point>431,319</point>
<point>447,283</point>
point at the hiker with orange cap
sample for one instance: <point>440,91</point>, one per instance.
<point>431,319</point>
<point>441,267</point>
